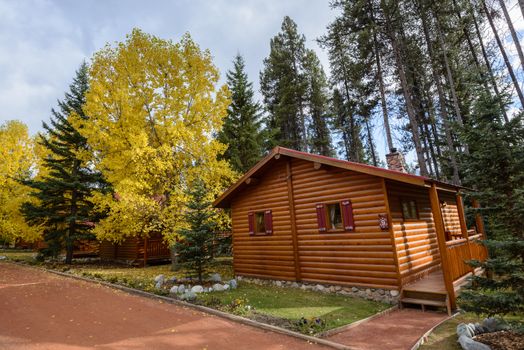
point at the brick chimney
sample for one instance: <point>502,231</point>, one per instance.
<point>396,161</point>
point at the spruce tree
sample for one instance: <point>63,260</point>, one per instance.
<point>195,248</point>
<point>284,87</point>
<point>495,168</point>
<point>241,131</point>
<point>63,207</point>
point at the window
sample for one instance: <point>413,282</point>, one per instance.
<point>334,217</point>
<point>260,222</point>
<point>409,209</point>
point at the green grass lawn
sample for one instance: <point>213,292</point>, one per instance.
<point>18,255</point>
<point>444,337</point>
<point>292,304</point>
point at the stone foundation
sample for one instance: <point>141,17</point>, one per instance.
<point>377,294</point>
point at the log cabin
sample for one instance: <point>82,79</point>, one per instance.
<point>136,250</point>
<point>303,217</point>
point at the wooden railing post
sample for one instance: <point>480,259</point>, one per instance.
<point>441,238</point>
<point>463,225</point>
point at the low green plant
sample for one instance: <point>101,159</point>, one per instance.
<point>312,325</point>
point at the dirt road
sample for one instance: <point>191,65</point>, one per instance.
<point>39,310</point>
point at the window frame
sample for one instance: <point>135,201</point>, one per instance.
<point>409,201</point>
<point>266,215</point>
<point>257,225</point>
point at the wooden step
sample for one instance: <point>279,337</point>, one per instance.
<point>439,302</point>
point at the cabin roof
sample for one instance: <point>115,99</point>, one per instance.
<point>224,200</point>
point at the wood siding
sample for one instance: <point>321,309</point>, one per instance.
<point>450,214</point>
<point>416,240</point>
<point>270,256</point>
<point>362,257</point>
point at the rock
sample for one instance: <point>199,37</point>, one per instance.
<point>217,287</point>
<point>158,285</point>
<point>188,296</point>
<point>469,344</point>
<point>233,284</point>
<point>490,324</point>
<point>226,286</point>
<point>319,288</point>
<point>294,285</point>
<point>210,289</point>
<point>215,277</point>
<point>381,291</point>
<point>239,278</point>
<point>368,291</point>
<point>181,288</point>
<point>338,288</point>
<point>466,330</point>
<point>278,284</point>
<point>303,287</point>
<point>354,289</point>
<point>159,279</point>
<point>173,279</point>
<point>394,293</point>
<point>3,257</point>
<point>197,289</point>
<point>174,289</point>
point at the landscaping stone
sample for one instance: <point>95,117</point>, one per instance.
<point>174,289</point>
<point>215,277</point>
<point>354,289</point>
<point>188,296</point>
<point>218,287</point>
<point>467,329</point>
<point>233,284</point>
<point>226,286</point>
<point>490,324</point>
<point>394,293</point>
<point>172,279</point>
<point>158,285</point>
<point>294,285</point>
<point>181,289</point>
<point>469,344</point>
<point>320,287</point>
<point>381,291</point>
<point>197,289</point>
<point>3,257</point>
<point>160,279</point>
<point>278,284</point>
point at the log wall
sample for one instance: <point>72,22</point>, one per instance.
<point>450,214</point>
<point>416,240</point>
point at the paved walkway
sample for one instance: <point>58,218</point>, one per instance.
<point>398,330</point>
<point>40,311</point>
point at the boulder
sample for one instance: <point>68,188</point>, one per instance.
<point>188,296</point>
<point>3,257</point>
<point>215,277</point>
<point>233,284</point>
<point>181,288</point>
<point>491,324</point>
<point>394,293</point>
<point>174,289</point>
<point>197,289</point>
<point>469,344</point>
<point>160,279</point>
<point>226,286</point>
<point>218,287</point>
<point>466,329</point>
<point>158,285</point>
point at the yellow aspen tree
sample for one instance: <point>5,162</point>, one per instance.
<point>19,162</point>
<point>154,109</point>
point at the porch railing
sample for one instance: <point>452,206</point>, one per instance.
<point>461,250</point>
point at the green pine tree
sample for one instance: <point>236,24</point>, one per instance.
<point>495,168</point>
<point>284,85</point>
<point>241,131</point>
<point>63,207</point>
<point>195,248</point>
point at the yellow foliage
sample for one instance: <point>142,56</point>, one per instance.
<point>18,163</point>
<point>153,107</point>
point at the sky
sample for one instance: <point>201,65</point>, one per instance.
<point>43,42</point>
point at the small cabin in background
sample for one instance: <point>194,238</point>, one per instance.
<point>136,250</point>
<point>304,217</point>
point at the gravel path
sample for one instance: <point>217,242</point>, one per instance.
<point>39,310</point>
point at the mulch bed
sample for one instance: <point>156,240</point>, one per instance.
<point>502,340</point>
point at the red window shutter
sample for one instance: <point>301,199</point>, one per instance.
<point>321,217</point>
<point>347,215</point>
<point>268,221</point>
<point>251,221</point>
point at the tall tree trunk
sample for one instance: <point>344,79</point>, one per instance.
<point>503,52</point>
<point>381,87</point>
<point>449,74</point>
<point>405,90</point>
<point>486,60</point>
<point>441,99</point>
<point>512,31</point>
<point>370,142</point>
